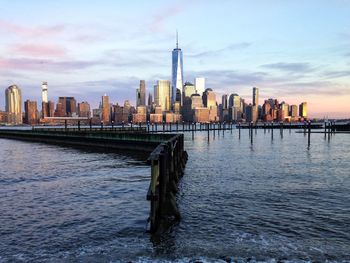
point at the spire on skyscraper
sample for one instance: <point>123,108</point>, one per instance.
<point>177,40</point>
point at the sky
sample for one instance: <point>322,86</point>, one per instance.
<point>293,50</point>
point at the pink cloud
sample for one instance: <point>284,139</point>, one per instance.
<point>157,23</point>
<point>32,31</point>
<point>34,64</point>
<point>36,50</point>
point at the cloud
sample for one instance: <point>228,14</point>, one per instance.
<point>160,16</point>
<point>289,67</point>
<point>231,47</point>
<point>44,64</point>
<point>39,50</point>
<point>337,74</point>
<point>31,31</point>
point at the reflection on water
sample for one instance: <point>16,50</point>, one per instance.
<point>244,196</point>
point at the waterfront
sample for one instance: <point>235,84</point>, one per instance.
<point>267,200</point>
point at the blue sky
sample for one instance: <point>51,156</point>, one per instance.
<point>292,50</point>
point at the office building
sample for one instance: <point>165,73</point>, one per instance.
<point>44,92</point>
<point>177,72</point>
<point>13,104</point>
<point>84,109</point>
<point>162,95</point>
<point>199,83</point>
<point>141,94</point>
<point>105,107</point>
<point>30,112</point>
<point>303,110</point>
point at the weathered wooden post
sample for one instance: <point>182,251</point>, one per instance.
<point>309,133</point>
<point>122,125</point>
<point>272,130</point>
<point>147,126</point>
<point>90,124</point>
<point>239,130</point>
<point>251,133</point>
<point>192,132</point>
<point>156,126</point>
<point>131,125</point>
<point>208,131</point>
<point>163,126</point>
<point>101,125</point>
<point>177,126</point>
<point>78,125</point>
<point>65,125</point>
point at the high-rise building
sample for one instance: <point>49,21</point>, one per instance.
<point>255,104</point>
<point>224,101</point>
<point>84,109</point>
<point>150,99</point>
<point>141,94</point>
<point>188,90</point>
<point>209,101</point>
<point>30,112</point>
<point>177,71</point>
<point>44,92</point>
<point>293,111</point>
<point>162,95</point>
<point>13,101</point>
<point>199,83</point>
<point>234,106</point>
<point>105,109</point>
<point>209,98</point>
<point>67,107</point>
<point>303,110</point>
<point>255,96</point>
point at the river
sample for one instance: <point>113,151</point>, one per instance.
<point>268,199</point>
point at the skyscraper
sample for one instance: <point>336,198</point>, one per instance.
<point>255,96</point>
<point>303,110</point>
<point>44,92</point>
<point>162,95</point>
<point>199,83</point>
<point>13,101</point>
<point>31,112</point>
<point>68,107</point>
<point>255,104</point>
<point>141,94</point>
<point>177,71</point>
<point>105,109</point>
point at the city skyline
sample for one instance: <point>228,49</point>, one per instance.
<point>308,57</point>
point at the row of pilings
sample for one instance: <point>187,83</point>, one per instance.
<point>168,162</point>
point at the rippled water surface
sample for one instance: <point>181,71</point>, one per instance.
<point>266,199</point>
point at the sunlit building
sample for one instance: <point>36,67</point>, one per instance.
<point>303,110</point>
<point>106,111</point>
<point>30,112</point>
<point>44,92</point>
<point>162,95</point>
<point>199,83</point>
<point>177,72</point>
<point>84,109</point>
<point>13,101</point>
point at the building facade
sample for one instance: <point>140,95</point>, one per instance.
<point>177,72</point>
<point>13,104</point>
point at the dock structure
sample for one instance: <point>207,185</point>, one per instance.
<point>167,158</point>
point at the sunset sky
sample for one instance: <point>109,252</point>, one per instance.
<point>292,50</point>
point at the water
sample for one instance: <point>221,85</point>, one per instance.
<point>268,200</point>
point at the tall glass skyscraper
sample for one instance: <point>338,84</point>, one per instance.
<point>13,100</point>
<point>177,72</point>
